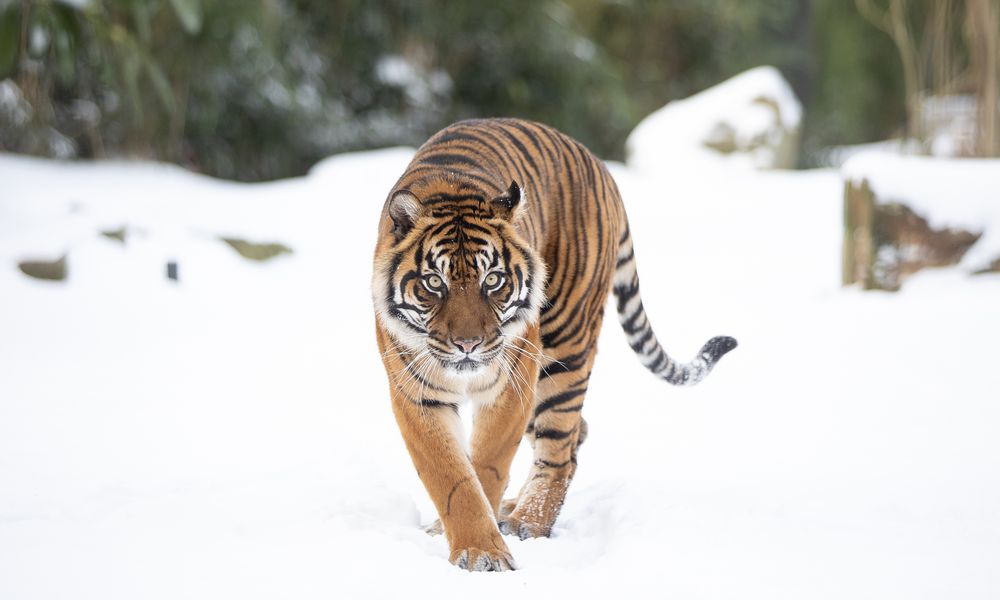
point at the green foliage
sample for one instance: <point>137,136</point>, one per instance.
<point>859,96</point>
<point>10,39</point>
<point>189,13</point>
<point>263,88</point>
<point>670,50</point>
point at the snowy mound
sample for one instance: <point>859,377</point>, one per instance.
<point>751,121</point>
<point>948,193</point>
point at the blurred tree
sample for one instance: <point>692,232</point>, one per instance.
<point>407,68</point>
<point>982,34</point>
<point>264,88</point>
<point>858,96</point>
<point>946,48</point>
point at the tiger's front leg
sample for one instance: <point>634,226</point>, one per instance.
<point>499,425</point>
<point>497,430</point>
<point>430,432</point>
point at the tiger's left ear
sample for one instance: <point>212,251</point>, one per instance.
<point>506,206</point>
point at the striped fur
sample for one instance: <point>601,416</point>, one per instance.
<point>496,251</point>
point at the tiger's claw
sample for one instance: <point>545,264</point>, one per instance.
<point>511,525</point>
<point>474,559</point>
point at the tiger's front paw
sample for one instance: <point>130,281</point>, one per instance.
<point>477,559</point>
<point>513,524</point>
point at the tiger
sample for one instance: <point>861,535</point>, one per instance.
<point>496,250</point>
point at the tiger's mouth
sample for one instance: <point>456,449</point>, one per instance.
<point>468,363</point>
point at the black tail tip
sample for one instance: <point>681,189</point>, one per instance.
<point>717,347</point>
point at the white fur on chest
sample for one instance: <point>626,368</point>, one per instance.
<point>471,392</point>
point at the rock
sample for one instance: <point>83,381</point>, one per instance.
<point>258,252</point>
<point>750,121</point>
<point>116,234</point>
<point>48,270</point>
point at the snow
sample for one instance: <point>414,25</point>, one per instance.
<point>423,86</point>
<point>14,108</point>
<point>947,192</point>
<point>756,112</point>
<point>950,124</point>
<point>229,434</point>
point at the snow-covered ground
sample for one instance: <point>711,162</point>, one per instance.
<point>229,435</point>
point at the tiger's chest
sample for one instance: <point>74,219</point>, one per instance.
<point>476,389</point>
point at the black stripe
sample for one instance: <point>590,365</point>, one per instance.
<point>638,345</point>
<point>528,134</point>
<point>412,178</point>
<point>558,399</point>
<point>523,152</point>
<point>552,434</point>
<point>452,493</point>
<point>425,383</point>
<point>541,462</point>
<point>445,197</point>
<point>431,403</point>
<point>448,158</point>
<point>624,294</point>
<point>560,334</point>
<point>629,324</point>
<point>454,135</point>
<point>661,357</point>
<point>567,365</point>
<point>490,385</point>
<point>625,259</point>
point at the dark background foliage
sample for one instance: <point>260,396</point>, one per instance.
<point>262,89</point>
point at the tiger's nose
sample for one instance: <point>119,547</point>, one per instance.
<point>467,344</point>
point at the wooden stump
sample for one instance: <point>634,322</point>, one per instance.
<point>884,242</point>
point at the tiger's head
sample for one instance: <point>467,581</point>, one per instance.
<point>453,277</point>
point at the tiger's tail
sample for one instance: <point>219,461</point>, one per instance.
<point>639,332</point>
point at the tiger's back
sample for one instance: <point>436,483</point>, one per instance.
<point>497,249</point>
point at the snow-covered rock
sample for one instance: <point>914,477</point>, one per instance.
<point>748,121</point>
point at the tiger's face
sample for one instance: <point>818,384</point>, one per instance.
<point>453,278</point>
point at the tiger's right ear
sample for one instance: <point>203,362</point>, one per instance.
<point>506,205</point>
<point>404,208</point>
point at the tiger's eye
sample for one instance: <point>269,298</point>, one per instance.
<point>492,280</point>
<point>434,282</point>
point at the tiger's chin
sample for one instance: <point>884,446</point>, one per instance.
<point>466,366</point>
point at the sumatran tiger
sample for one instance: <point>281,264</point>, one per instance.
<point>496,251</point>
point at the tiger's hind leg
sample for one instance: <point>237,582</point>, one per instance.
<point>507,505</point>
<point>555,432</point>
